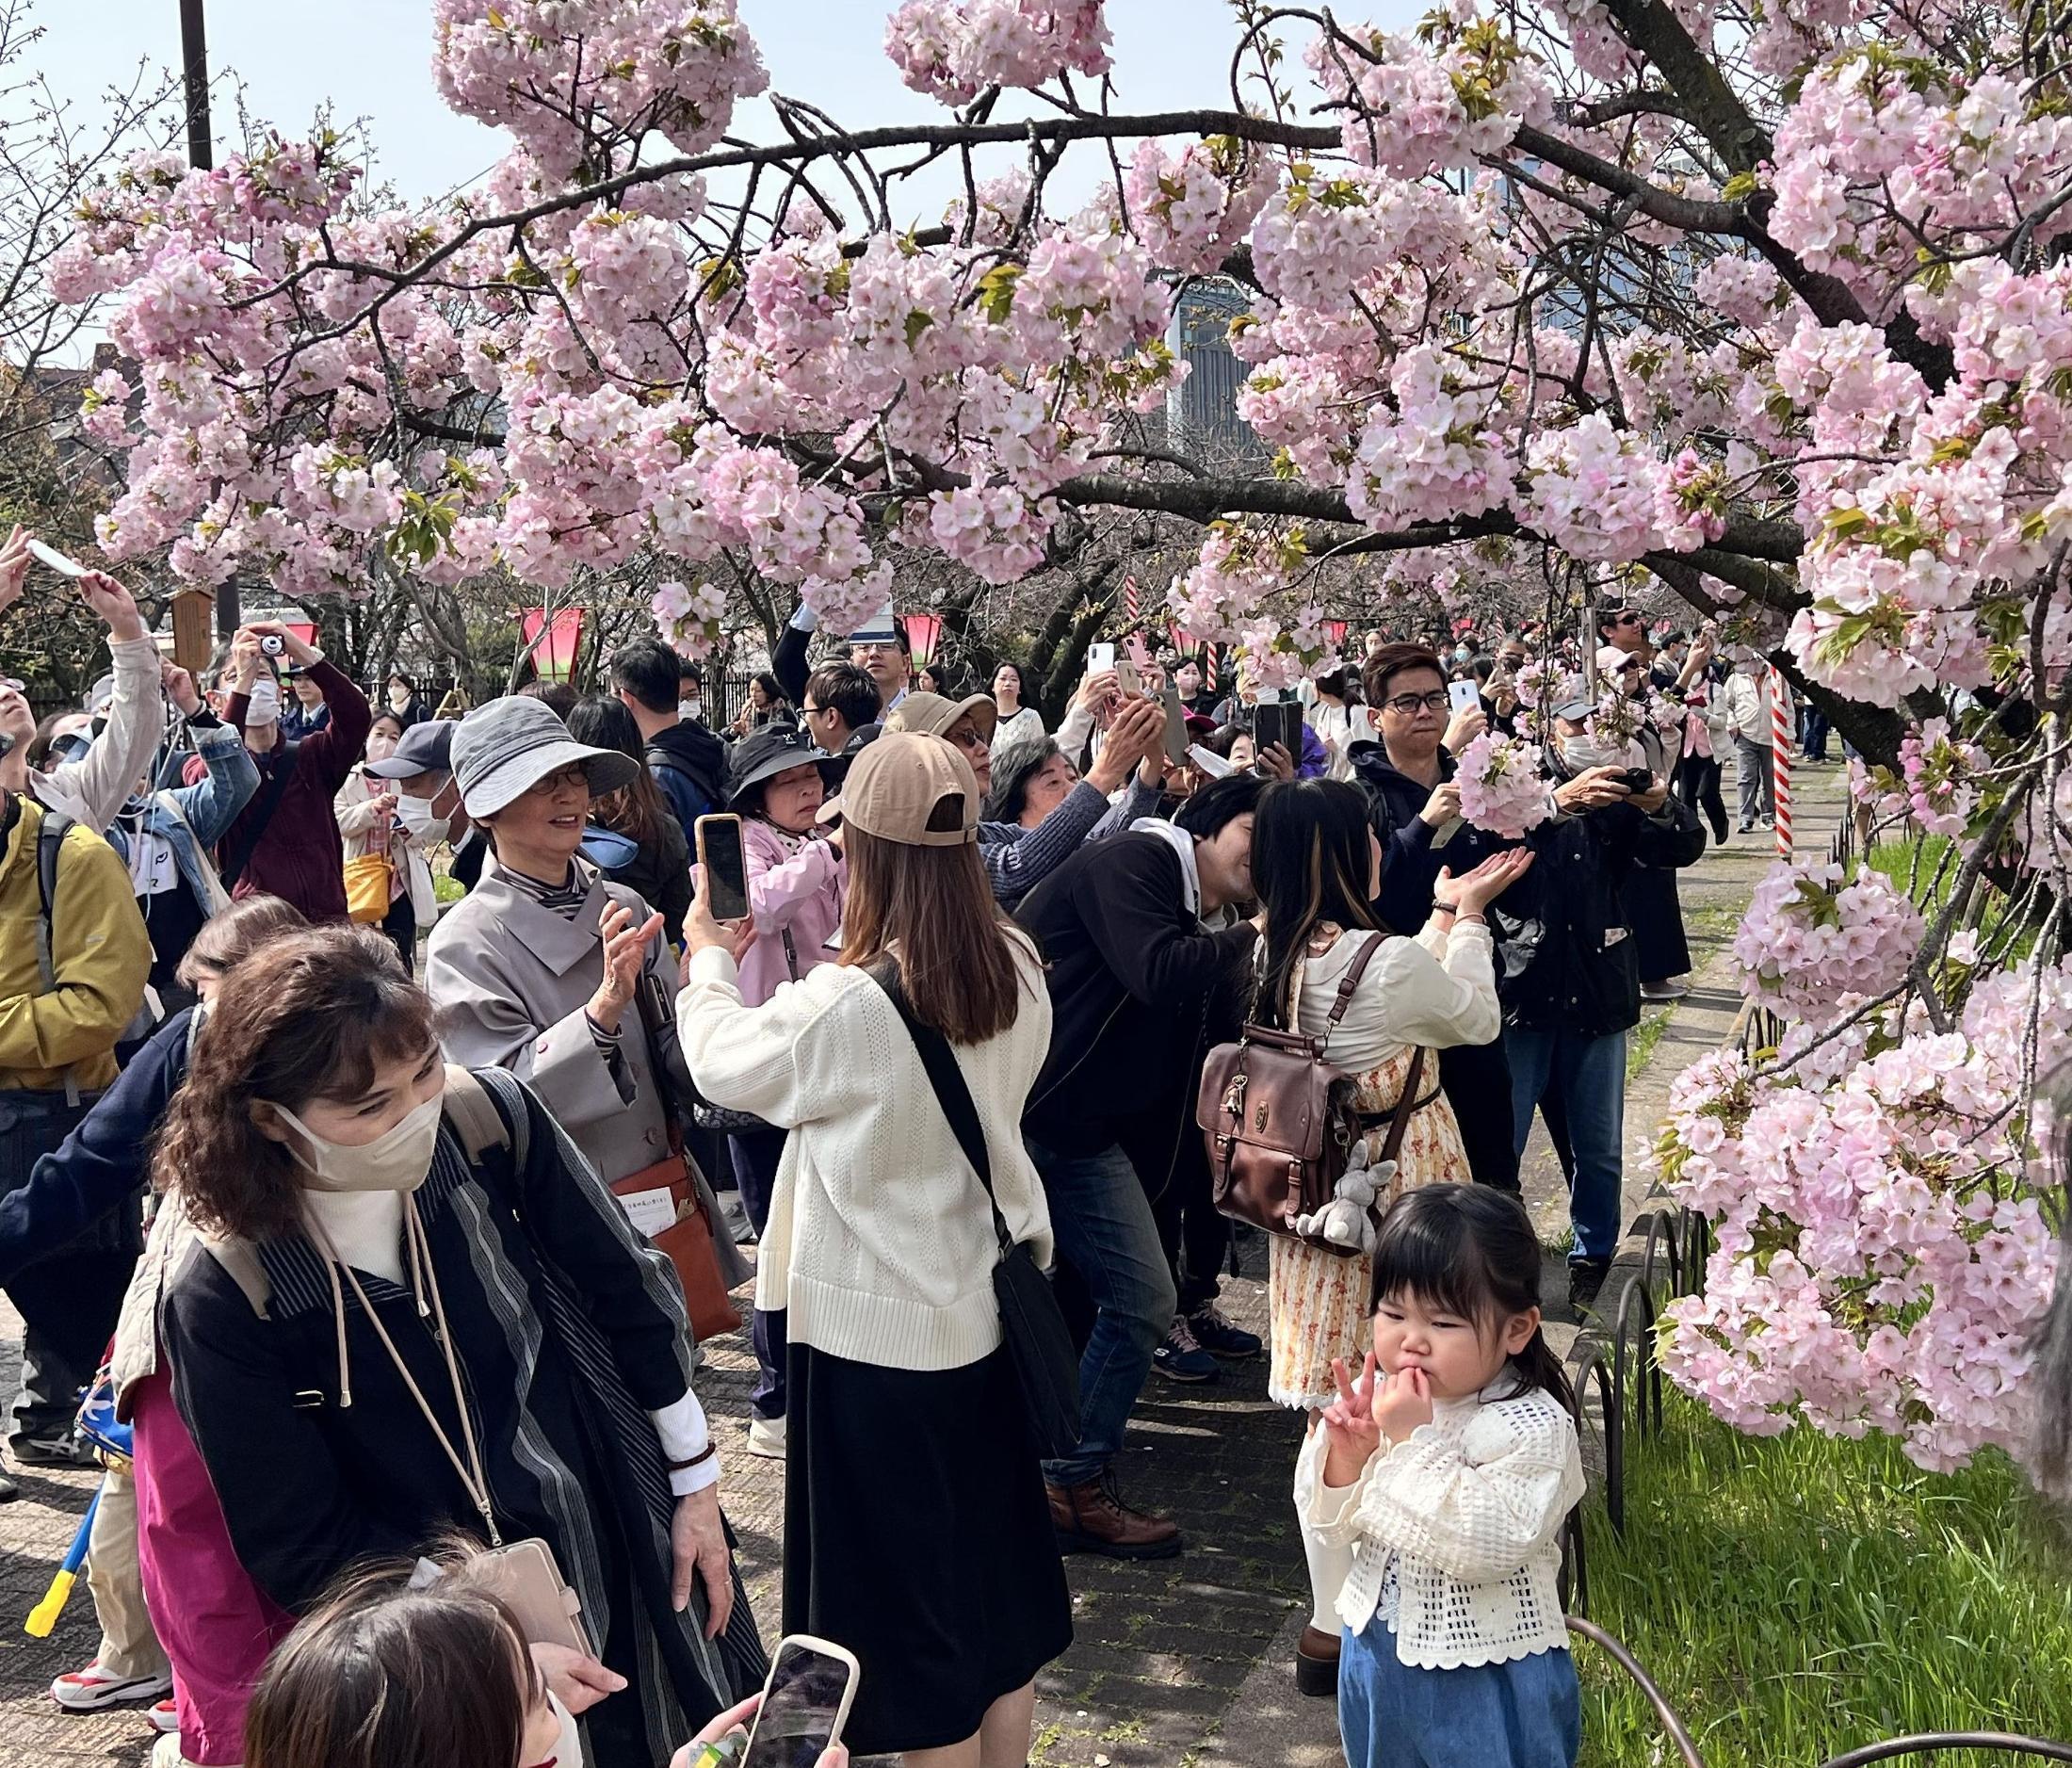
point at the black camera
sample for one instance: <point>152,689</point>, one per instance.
<point>1637,780</point>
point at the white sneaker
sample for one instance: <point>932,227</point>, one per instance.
<point>166,1753</point>
<point>92,1689</point>
<point>164,1717</point>
<point>765,1438</point>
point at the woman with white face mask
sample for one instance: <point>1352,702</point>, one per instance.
<point>416,1309</point>
<point>373,824</point>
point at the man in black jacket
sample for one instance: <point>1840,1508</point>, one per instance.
<point>1569,978</point>
<point>1138,986</point>
<point>688,762</point>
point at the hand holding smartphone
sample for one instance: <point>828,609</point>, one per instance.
<point>1464,696</point>
<point>805,1704</point>
<point>724,863</point>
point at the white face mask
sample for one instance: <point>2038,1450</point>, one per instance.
<point>397,1159</point>
<point>399,696</point>
<point>691,709</point>
<point>263,705</point>
<point>414,813</point>
<point>1583,753</point>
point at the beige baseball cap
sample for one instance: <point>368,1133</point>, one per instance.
<point>911,788</point>
<point>935,713</point>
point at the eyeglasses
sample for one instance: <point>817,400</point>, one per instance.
<point>875,647</point>
<point>811,712</point>
<point>1408,704</point>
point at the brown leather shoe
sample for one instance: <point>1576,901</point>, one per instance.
<point>1091,1518</point>
<point>1316,1662</point>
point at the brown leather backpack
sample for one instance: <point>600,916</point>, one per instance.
<point>1280,1123</point>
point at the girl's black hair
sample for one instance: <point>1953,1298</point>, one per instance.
<point>1312,858</point>
<point>1470,1251</point>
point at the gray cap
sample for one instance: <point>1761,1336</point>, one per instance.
<point>1575,711</point>
<point>100,695</point>
<point>506,747</point>
<point>425,747</point>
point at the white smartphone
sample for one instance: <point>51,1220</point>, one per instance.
<point>1099,657</point>
<point>1464,696</point>
<point>57,561</point>
<point>805,1703</point>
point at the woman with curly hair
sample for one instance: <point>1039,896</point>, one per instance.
<point>412,1307</point>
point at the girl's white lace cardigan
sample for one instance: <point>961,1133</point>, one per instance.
<point>1469,1509</point>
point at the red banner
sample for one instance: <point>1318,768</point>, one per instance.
<point>553,649</point>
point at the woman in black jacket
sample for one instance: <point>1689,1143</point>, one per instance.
<point>399,1325</point>
<point>660,866</point>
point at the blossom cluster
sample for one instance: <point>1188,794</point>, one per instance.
<point>954,49</point>
<point>1815,942</point>
<point>1881,1258</point>
<point>1504,788</point>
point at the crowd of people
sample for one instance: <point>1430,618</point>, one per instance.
<point>428,1262</point>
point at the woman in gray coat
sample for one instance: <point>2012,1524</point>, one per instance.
<point>540,967</point>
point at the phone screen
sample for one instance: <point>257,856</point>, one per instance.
<point>803,1707</point>
<point>725,863</point>
<point>1464,696</point>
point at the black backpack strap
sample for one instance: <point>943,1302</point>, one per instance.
<point>50,845</point>
<point>260,815</point>
<point>952,1093</point>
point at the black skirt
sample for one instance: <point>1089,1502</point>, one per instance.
<point>916,1534</point>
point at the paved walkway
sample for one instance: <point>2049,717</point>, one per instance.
<point>1175,1664</point>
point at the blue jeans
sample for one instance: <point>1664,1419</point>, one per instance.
<point>1106,1231</point>
<point>1587,1075</point>
<point>1525,1714</point>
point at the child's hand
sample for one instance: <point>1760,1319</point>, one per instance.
<point>1350,1433</point>
<point>1403,1403</point>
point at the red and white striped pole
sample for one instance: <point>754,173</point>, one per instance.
<point>1780,756</point>
<point>1131,606</point>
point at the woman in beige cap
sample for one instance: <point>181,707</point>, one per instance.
<point>916,1528</point>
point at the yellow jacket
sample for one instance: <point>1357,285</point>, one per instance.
<point>99,949</point>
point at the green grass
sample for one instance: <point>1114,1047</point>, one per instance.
<point>1640,1047</point>
<point>1801,1596</point>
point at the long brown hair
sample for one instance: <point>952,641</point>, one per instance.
<point>308,1017</point>
<point>634,811</point>
<point>380,1676</point>
<point>930,910</point>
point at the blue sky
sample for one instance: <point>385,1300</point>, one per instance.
<point>371,58</point>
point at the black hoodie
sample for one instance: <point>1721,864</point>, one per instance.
<point>690,764</point>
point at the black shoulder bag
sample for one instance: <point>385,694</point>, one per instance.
<point>1035,1329</point>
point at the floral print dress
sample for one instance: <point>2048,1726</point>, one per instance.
<point>1316,1301</point>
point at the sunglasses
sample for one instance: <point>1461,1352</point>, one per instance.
<point>1627,620</point>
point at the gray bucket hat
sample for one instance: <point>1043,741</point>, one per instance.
<point>506,747</point>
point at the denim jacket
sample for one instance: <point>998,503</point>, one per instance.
<point>192,818</point>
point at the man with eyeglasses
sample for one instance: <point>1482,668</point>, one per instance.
<point>1408,774</point>
<point>839,708</point>
<point>880,648</point>
<point>1017,859</point>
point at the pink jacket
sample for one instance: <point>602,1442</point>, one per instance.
<point>795,888</point>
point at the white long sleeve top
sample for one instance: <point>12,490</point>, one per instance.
<point>1438,990</point>
<point>92,788</point>
<point>880,1244</point>
<point>1467,1512</point>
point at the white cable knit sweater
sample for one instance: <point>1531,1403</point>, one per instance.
<point>880,1244</point>
<point>1470,1508</point>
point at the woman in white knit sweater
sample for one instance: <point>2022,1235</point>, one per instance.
<point>917,1533</point>
<point>1317,867</point>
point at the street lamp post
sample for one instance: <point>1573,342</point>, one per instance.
<point>194,67</point>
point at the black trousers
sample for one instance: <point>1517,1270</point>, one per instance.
<point>1195,1235</point>
<point>1476,1079</point>
<point>68,1301</point>
<point>1698,785</point>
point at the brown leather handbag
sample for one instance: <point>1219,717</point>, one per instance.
<point>687,1238</point>
<point>1279,1120</point>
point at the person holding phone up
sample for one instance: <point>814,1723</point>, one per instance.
<point>91,785</point>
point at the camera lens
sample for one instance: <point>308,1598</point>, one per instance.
<point>270,644</point>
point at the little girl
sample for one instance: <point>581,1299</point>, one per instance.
<point>1448,1473</point>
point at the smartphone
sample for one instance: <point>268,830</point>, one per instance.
<point>1464,696</point>
<point>1127,680</point>
<point>1278,722</point>
<point>57,561</point>
<point>1175,725</point>
<point>1099,657</point>
<point>1134,644</point>
<point>523,1576</point>
<point>725,863</point>
<point>805,1703</point>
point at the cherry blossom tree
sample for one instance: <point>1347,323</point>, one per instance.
<point>1767,304</point>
